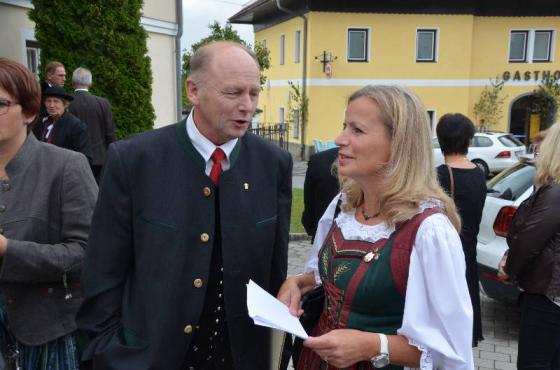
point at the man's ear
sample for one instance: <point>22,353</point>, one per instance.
<point>192,91</point>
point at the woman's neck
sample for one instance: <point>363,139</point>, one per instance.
<point>458,161</point>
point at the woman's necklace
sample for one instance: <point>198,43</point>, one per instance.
<point>369,217</point>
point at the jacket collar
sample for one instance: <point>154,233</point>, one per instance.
<point>24,155</point>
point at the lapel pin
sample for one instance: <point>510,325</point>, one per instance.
<point>246,185</point>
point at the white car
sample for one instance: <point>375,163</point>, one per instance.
<point>505,193</point>
<point>490,151</point>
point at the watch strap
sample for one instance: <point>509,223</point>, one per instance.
<point>383,344</point>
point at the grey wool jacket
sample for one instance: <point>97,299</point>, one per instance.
<point>45,213</point>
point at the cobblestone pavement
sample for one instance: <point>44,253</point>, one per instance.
<point>499,321</point>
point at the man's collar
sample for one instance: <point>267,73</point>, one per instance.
<point>204,146</point>
<point>81,89</point>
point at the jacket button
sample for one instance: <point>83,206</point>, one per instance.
<point>2,208</point>
<point>206,191</point>
<point>10,301</point>
<point>197,283</point>
<point>188,329</point>
<point>6,186</point>
<point>204,237</point>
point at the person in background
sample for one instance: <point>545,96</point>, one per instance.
<point>61,127</point>
<point>96,113</point>
<point>55,76</point>
<point>47,196</point>
<point>187,214</point>
<point>465,183</point>
<point>391,262</point>
<point>319,188</point>
<point>533,261</point>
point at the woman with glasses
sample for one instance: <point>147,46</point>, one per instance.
<point>47,195</point>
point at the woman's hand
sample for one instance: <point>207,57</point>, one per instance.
<point>502,275</point>
<point>344,347</point>
<point>290,295</point>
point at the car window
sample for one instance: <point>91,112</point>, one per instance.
<point>512,182</point>
<point>481,141</point>
<point>435,143</point>
<point>510,141</point>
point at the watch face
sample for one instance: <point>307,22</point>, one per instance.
<point>381,360</point>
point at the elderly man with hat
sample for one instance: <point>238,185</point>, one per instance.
<point>61,127</point>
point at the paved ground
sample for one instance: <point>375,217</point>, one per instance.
<point>499,321</point>
<point>298,174</point>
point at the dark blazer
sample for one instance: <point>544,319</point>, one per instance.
<point>68,132</point>
<point>96,113</point>
<point>43,110</point>
<point>48,202</point>
<point>152,236</point>
<point>319,189</point>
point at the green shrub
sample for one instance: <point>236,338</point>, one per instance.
<point>106,37</point>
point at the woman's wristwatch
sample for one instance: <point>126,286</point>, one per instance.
<point>382,358</point>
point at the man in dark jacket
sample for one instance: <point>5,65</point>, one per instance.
<point>96,113</point>
<point>186,215</point>
<point>55,76</point>
<point>319,188</point>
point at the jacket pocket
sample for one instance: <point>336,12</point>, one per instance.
<point>161,223</point>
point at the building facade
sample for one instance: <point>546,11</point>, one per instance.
<point>160,21</point>
<point>445,51</point>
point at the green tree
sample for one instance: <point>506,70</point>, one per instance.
<point>547,100</point>
<point>488,109</point>
<point>107,38</point>
<point>297,105</point>
<point>226,33</point>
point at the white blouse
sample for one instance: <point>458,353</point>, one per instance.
<point>438,316</point>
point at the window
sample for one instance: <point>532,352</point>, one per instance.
<point>296,123</point>
<point>357,45</point>
<point>542,46</point>
<point>297,46</point>
<point>527,46</point>
<point>426,45</point>
<point>518,46</point>
<point>481,141</point>
<point>33,53</point>
<point>282,45</point>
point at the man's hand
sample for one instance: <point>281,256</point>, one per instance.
<point>344,347</point>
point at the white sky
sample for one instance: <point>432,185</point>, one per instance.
<point>198,14</point>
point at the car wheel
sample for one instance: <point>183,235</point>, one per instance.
<point>483,166</point>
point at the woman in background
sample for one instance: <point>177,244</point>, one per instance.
<point>533,261</point>
<point>47,195</point>
<point>465,183</point>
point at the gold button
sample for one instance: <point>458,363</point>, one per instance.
<point>188,329</point>
<point>2,208</point>
<point>206,191</point>
<point>204,237</point>
<point>197,283</point>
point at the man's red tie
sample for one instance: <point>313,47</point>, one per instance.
<point>216,170</point>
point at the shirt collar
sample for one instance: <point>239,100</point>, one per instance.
<point>204,146</point>
<point>81,89</point>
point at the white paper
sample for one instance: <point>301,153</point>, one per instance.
<point>265,310</point>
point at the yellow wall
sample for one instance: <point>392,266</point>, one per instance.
<point>470,51</point>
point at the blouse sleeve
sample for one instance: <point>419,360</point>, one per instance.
<point>312,264</point>
<point>438,314</point>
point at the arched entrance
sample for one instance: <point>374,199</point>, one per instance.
<point>523,123</point>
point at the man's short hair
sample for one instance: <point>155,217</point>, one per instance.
<point>52,66</point>
<point>455,132</point>
<point>202,57</point>
<point>82,77</point>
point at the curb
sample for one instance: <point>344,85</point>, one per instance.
<point>299,236</point>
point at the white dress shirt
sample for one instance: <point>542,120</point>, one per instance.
<point>205,147</point>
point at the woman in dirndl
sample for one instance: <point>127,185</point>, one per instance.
<point>391,261</point>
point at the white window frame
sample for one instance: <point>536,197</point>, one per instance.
<point>530,45</point>
<point>33,47</point>
<point>282,49</point>
<point>297,46</point>
<point>367,56</point>
<point>435,46</point>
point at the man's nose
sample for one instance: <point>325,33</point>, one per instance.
<point>246,103</point>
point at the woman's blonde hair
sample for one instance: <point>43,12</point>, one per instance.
<point>410,176</point>
<point>548,160</point>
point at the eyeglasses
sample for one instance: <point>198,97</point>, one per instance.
<point>5,105</point>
